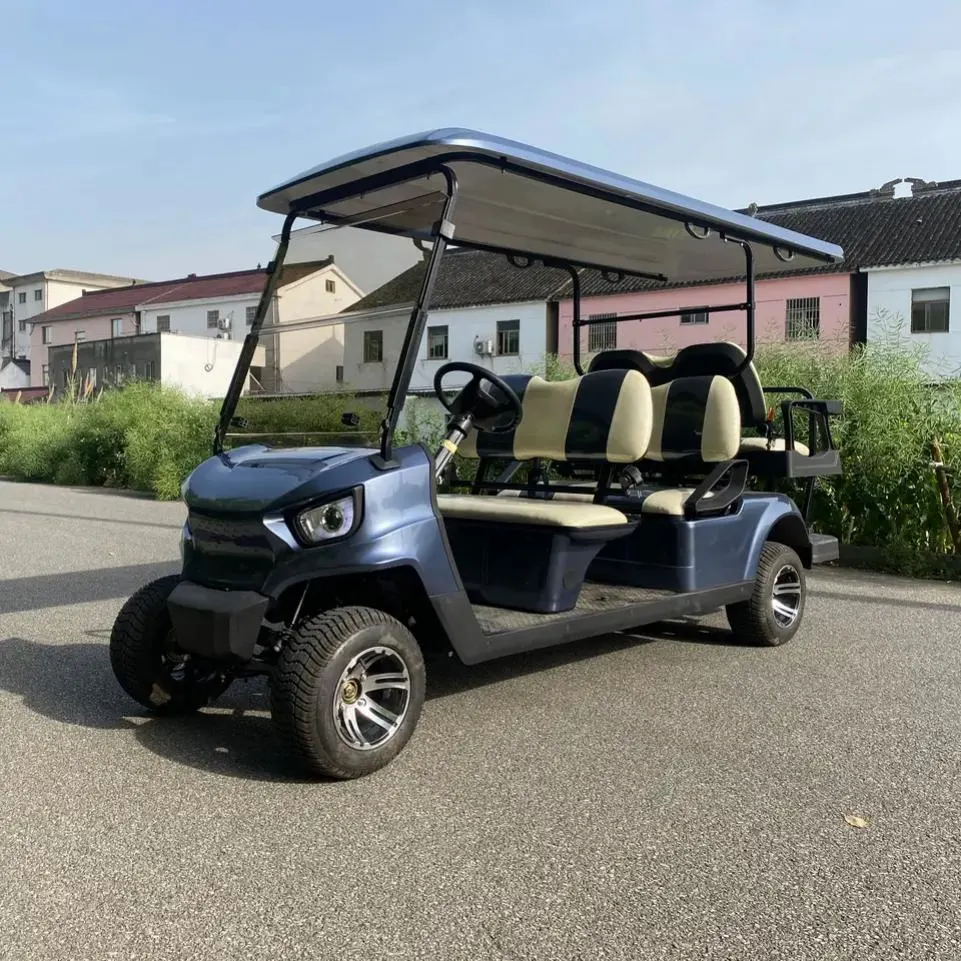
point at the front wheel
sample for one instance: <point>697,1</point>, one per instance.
<point>147,661</point>
<point>772,614</point>
<point>348,691</point>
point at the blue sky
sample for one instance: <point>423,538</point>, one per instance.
<point>138,134</point>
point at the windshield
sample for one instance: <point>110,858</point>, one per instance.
<point>330,341</point>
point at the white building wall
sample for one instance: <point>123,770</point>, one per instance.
<point>309,359</point>
<point>464,326</point>
<point>190,317</point>
<point>889,312</point>
<point>199,365</point>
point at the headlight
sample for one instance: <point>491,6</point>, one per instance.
<point>328,521</point>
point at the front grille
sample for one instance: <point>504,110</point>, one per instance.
<point>228,551</point>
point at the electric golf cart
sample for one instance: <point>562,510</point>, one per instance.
<point>599,504</point>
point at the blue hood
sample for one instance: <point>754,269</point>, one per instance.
<point>256,478</point>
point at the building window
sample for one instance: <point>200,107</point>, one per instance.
<point>437,343</point>
<point>150,370</point>
<point>803,318</point>
<point>45,375</point>
<point>80,336</point>
<point>22,325</point>
<point>373,346</point>
<point>116,327</point>
<point>930,310</point>
<point>330,286</point>
<point>694,317</point>
<point>163,323</point>
<point>47,335</point>
<point>508,337</point>
<point>251,314</point>
<point>38,294</point>
<point>601,336</point>
<point>22,297</point>
<point>339,373</point>
<point>213,318</point>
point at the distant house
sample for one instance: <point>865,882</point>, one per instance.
<point>212,306</point>
<point>198,365</point>
<point>902,261</point>
<point>29,295</point>
<point>482,310</point>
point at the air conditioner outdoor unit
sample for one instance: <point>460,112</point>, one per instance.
<point>485,348</point>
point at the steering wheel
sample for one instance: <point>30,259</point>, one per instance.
<point>495,411</point>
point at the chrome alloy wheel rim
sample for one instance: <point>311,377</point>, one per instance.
<point>786,596</point>
<point>371,698</point>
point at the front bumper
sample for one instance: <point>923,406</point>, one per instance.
<point>217,625</point>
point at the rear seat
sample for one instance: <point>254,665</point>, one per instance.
<point>720,358</point>
<point>605,417</point>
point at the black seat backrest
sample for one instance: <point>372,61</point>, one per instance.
<point>697,360</point>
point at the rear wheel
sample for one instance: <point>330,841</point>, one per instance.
<point>772,614</point>
<point>348,691</point>
<point>147,661</point>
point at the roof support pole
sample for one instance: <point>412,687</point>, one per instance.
<point>443,234</point>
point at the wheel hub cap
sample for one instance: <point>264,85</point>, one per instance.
<point>372,698</point>
<point>786,596</point>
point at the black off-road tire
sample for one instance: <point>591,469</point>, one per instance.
<point>306,688</point>
<point>755,621</point>
<point>141,643</point>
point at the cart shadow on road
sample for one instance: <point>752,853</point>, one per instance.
<point>73,685</point>
<point>78,587</point>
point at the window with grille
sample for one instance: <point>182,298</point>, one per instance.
<point>437,343</point>
<point>601,336</point>
<point>508,337</point>
<point>213,318</point>
<point>373,346</point>
<point>803,318</point>
<point>930,309</point>
<point>694,317</point>
<point>251,314</point>
<point>163,323</point>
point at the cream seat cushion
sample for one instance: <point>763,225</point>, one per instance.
<point>525,510</point>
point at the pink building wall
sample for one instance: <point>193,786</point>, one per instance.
<point>667,334</point>
<point>65,332</point>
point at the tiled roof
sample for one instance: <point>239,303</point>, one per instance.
<point>6,275</point>
<point>126,299</point>
<point>467,278</point>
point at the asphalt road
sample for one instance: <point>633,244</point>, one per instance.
<point>663,796</point>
